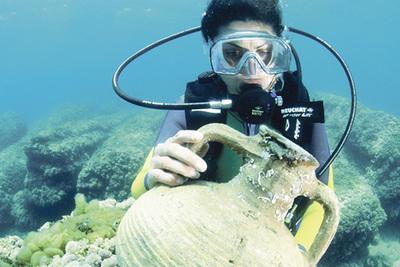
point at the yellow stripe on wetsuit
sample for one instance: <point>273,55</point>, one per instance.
<point>311,221</point>
<point>138,187</point>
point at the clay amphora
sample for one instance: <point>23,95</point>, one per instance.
<point>239,223</point>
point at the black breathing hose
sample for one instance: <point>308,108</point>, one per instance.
<point>228,103</point>
<point>352,115</point>
<point>157,105</point>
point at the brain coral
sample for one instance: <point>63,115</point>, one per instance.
<point>88,221</point>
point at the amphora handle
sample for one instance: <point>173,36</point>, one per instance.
<point>321,193</point>
<point>232,139</point>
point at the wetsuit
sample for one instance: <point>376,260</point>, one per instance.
<point>228,162</point>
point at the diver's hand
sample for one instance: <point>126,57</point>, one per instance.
<point>173,162</point>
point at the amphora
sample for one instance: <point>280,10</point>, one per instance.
<point>239,223</point>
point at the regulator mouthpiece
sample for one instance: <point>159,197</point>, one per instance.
<point>255,105</point>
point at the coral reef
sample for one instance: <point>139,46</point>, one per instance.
<point>100,252</point>
<point>12,174</point>
<point>67,112</point>
<point>12,129</point>
<point>98,154</point>
<point>83,236</point>
<point>54,160</point>
<point>109,173</point>
<point>12,165</point>
<point>9,249</point>
<point>384,253</point>
<point>374,144</point>
<point>364,169</point>
<point>361,217</point>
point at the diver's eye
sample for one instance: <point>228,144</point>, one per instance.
<point>233,53</point>
<point>264,53</point>
<point>233,56</point>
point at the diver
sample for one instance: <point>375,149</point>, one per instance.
<point>250,58</point>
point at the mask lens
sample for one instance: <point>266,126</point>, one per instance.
<point>233,52</point>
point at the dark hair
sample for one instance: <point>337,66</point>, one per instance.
<point>220,13</point>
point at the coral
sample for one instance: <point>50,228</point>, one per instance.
<point>68,112</point>
<point>13,168</point>
<point>385,180</point>
<point>361,217</point>
<point>109,173</point>
<point>110,262</point>
<point>385,253</point>
<point>9,248</point>
<point>374,146</point>
<point>39,174</point>
<point>359,172</point>
<point>55,157</point>
<point>12,174</point>
<point>89,223</point>
<point>12,129</point>
<point>376,136</point>
<point>20,211</point>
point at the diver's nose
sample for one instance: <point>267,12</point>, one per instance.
<point>250,67</point>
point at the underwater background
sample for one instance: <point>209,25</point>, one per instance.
<point>58,51</point>
<point>60,119</point>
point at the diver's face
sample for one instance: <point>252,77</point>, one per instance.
<point>246,76</point>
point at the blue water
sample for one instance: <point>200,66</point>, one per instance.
<point>57,51</point>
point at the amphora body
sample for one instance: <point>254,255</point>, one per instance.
<point>239,223</point>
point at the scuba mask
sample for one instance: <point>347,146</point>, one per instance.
<point>252,51</point>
